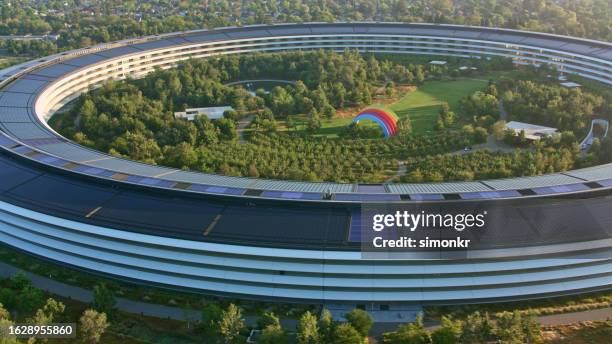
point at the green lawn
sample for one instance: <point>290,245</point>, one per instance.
<point>422,105</point>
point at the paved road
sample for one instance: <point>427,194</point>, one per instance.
<point>176,313</point>
<point>126,305</point>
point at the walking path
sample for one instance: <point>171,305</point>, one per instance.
<point>242,125</point>
<point>288,82</point>
<point>401,170</point>
<point>176,313</point>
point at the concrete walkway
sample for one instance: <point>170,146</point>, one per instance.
<point>176,313</point>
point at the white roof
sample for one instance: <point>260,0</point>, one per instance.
<point>437,62</point>
<point>527,126</point>
<point>570,84</point>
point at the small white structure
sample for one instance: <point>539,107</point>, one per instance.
<point>570,84</point>
<point>532,131</point>
<point>440,63</point>
<point>214,112</point>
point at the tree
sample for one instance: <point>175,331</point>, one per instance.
<point>480,135</point>
<point>92,326</point>
<point>5,323</point>
<point>231,324</point>
<point>48,312</point>
<point>448,333</point>
<point>272,334</point>
<point>499,129</point>
<point>328,111</point>
<point>210,320</point>
<point>345,334</point>
<point>103,299</point>
<point>308,329</point>
<point>510,328</point>
<point>360,320</point>
<point>21,295</point>
<point>182,156</point>
<point>268,319</point>
<point>314,122</point>
<point>326,326</point>
<point>413,333</point>
<point>227,129</point>
<point>404,125</point>
<point>531,329</point>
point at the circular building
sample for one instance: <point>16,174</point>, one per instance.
<point>289,240</point>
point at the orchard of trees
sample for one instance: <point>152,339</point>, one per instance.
<point>135,119</point>
<point>488,165</point>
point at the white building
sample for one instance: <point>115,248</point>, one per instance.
<point>532,131</point>
<point>214,112</point>
<point>570,84</point>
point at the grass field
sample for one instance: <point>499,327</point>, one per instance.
<point>421,105</point>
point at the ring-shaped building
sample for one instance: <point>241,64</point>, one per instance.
<point>288,240</point>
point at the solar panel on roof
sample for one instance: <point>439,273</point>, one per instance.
<point>530,182</point>
<point>293,195</point>
<point>26,85</point>
<point>490,194</point>
<point>560,189</point>
<point>72,151</point>
<point>592,173</point>
<point>366,197</point>
<point>289,31</point>
<point>25,131</point>
<point>371,188</point>
<point>154,44</point>
<point>84,60</point>
<point>129,167</point>
<point>426,197</point>
<point>208,179</point>
<point>151,181</point>
<point>178,40</point>
<point>437,188</point>
<point>15,114</point>
<point>55,70</point>
<point>41,142</point>
<point>248,34</point>
<point>6,142</point>
<point>23,149</point>
<point>331,29</point>
<point>216,189</point>
<point>116,52</point>
<point>12,99</point>
<point>605,182</point>
<point>205,37</point>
